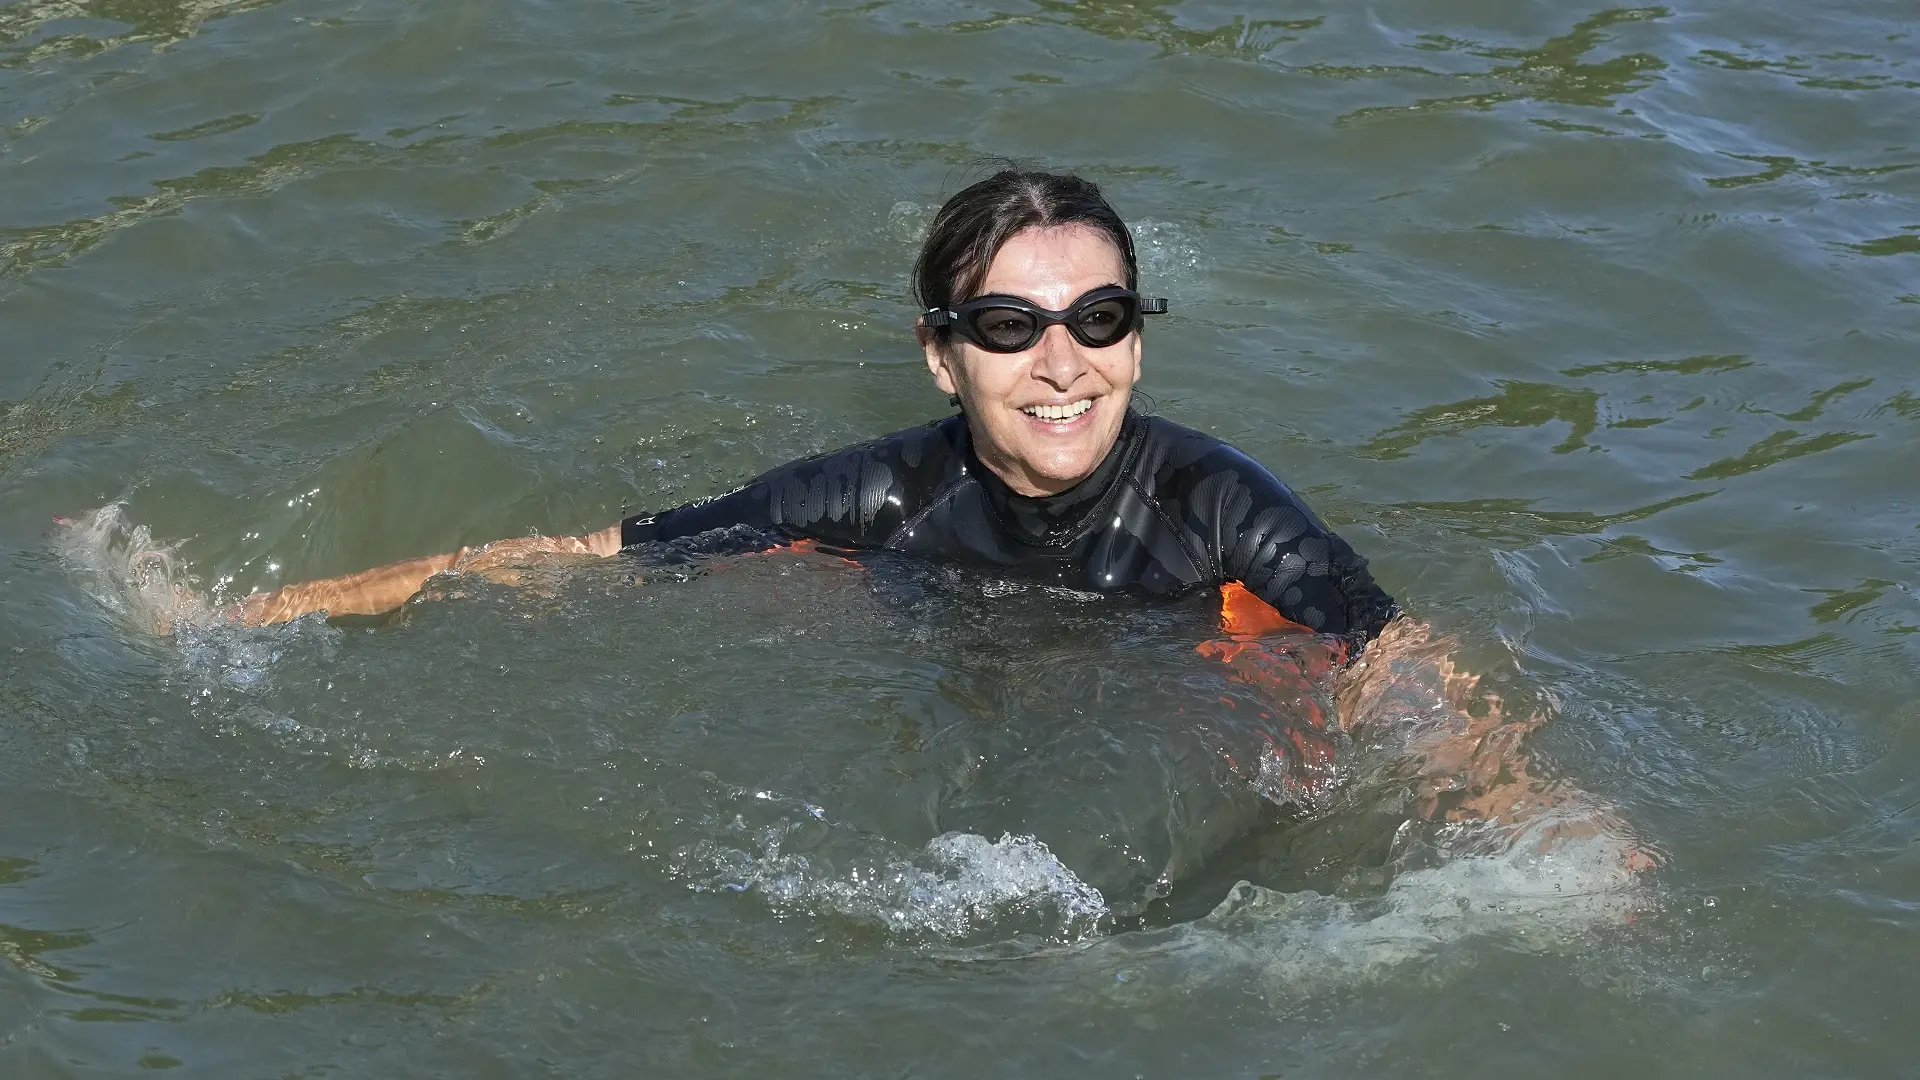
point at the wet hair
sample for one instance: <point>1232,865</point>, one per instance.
<point>973,225</point>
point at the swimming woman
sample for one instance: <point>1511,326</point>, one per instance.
<point>1032,323</point>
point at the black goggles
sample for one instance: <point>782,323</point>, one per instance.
<point>1008,324</point>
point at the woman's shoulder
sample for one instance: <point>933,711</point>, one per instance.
<point>1179,458</point>
<point>865,489</point>
<point>846,496</point>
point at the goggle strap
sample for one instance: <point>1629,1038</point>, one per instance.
<point>937,317</point>
<point>1153,305</point>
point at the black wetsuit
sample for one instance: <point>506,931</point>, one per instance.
<point>1168,512</point>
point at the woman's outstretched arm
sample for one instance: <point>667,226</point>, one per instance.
<point>383,588</point>
<point>1468,743</point>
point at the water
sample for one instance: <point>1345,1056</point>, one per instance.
<point>1592,326</point>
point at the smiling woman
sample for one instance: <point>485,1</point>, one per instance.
<point>1046,402</point>
<point>1045,405</point>
<point>1031,324</point>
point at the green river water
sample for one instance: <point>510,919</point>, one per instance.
<point>1593,327</point>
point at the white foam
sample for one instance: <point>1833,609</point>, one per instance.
<point>1293,945</point>
<point>121,566</point>
<point>907,222</point>
<point>958,886</point>
<point>142,582</point>
<point>1169,256</point>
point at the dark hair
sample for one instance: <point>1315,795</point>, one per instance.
<point>969,230</point>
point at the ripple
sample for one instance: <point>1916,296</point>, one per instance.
<point>1519,404</point>
<point>1516,521</point>
<point>1242,37</point>
<point>1780,166</point>
<point>1827,71</point>
<point>1692,365</point>
<point>30,248</point>
<point>1907,243</point>
<point>58,409</point>
<point>1552,72</point>
<point>209,128</point>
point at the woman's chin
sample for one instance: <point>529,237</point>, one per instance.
<point>1052,456</point>
<point>1059,470</point>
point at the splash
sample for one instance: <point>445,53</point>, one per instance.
<point>1169,256</point>
<point>907,222</point>
<point>223,667</point>
<point>1534,892</point>
<point>126,571</point>
<point>1531,895</point>
<point>958,886</point>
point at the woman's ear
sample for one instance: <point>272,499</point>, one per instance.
<point>940,359</point>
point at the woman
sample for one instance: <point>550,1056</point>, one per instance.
<point>1032,326</point>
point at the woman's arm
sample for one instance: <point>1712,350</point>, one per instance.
<point>839,498</point>
<point>1262,536</point>
<point>1407,688</point>
<point>383,588</point>
<point>1468,744</point>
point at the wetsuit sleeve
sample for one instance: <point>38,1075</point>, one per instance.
<point>738,515</point>
<point>847,499</point>
<point>1264,537</point>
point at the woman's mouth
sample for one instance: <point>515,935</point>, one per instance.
<point>1060,415</point>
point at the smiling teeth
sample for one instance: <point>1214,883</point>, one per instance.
<point>1059,412</point>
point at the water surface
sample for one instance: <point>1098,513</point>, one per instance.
<point>1592,326</point>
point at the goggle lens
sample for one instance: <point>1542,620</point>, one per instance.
<point>1006,329</point>
<point>1104,322</point>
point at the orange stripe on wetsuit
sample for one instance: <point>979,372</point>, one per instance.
<point>808,547</point>
<point>802,546</point>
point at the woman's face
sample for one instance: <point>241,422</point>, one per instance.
<point>1003,392</point>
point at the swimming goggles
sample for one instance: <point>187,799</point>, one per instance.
<point>1008,324</point>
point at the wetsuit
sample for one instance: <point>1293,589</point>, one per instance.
<point>1169,512</point>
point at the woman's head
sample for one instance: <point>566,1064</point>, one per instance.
<point>970,229</point>
<point>1045,416</point>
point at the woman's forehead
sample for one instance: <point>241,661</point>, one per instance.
<point>1055,265</point>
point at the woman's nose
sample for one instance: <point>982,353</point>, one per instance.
<point>1057,358</point>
